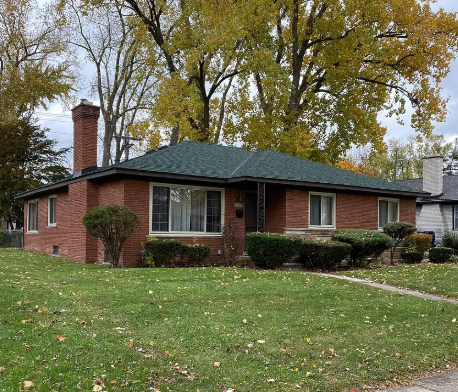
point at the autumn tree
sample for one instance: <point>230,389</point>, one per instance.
<point>27,160</point>
<point>405,157</point>
<point>203,46</point>
<point>33,68</point>
<point>328,68</point>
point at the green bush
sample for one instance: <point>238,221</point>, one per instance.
<point>398,231</point>
<point>365,244</point>
<point>196,253</point>
<point>420,242</point>
<point>412,257</point>
<point>113,225</point>
<point>323,254</point>
<point>450,240</point>
<point>2,236</point>
<point>271,250</point>
<point>162,252</point>
<point>440,254</point>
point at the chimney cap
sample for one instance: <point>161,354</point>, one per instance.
<point>430,154</point>
<point>84,101</point>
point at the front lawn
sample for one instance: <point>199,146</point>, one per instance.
<point>71,327</point>
<point>431,278</point>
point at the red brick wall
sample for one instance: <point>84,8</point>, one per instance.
<point>407,210</point>
<point>297,208</point>
<point>356,212</point>
<point>48,237</point>
<point>276,209</point>
<point>81,245</point>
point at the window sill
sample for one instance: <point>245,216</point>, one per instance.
<point>330,228</point>
<point>181,234</point>
<point>32,232</point>
<point>51,226</point>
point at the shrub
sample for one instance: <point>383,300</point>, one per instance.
<point>113,225</point>
<point>324,254</point>
<point>398,231</point>
<point>196,253</point>
<point>412,257</point>
<point>2,236</point>
<point>440,255</point>
<point>162,252</point>
<point>232,241</point>
<point>420,242</point>
<point>271,250</point>
<point>365,244</point>
<point>450,240</point>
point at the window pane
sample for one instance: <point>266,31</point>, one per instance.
<point>187,209</point>
<point>213,211</point>
<point>382,213</point>
<point>33,216</point>
<point>392,211</point>
<point>52,210</point>
<point>160,218</point>
<point>315,210</point>
<point>326,210</point>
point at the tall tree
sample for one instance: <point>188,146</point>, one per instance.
<point>124,69</point>
<point>33,69</point>
<point>405,158</point>
<point>27,160</point>
<point>203,45</point>
<point>328,67</point>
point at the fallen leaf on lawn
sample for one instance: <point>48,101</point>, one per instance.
<point>166,353</point>
<point>454,320</point>
<point>261,341</point>
<point>28,384</point>
<point>131,343</point>
<point>398,355</point>
<point>270,380</point>
<point>160,307</point>
<point>97,388</point>
<point>244,321</point>
<point>308,374</point>
<point>60,338</point>
<point>217,364</point>
<point>2,368</point>
<point>308,340</point>
<point>150,292</point>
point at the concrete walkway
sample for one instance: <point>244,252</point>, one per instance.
<point>390,288</point>
<point>442,382</point>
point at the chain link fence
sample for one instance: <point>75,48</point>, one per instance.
<point>12,239</point>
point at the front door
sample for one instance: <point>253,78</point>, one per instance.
<point>251,215</point>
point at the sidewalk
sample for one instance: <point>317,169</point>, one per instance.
<point>442,382</point>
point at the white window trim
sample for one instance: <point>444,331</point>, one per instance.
<point>183,233</point>
<point>28,216</point>
<point>378,209</point>
<point>49,210</point>
<point>318,227</point>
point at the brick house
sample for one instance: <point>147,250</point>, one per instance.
<point>187,191</point>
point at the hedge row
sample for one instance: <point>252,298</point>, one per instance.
<point>169,253</point>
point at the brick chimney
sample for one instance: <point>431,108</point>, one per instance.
<point>85,117</point>
<point>433,173</point>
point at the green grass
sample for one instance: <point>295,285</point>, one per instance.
<point>427,277</point>
<point>164,329</point>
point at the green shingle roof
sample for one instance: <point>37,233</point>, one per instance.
<point>191,158</point>
<point>216,161</point>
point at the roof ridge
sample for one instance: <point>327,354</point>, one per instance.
<point>241,164</point>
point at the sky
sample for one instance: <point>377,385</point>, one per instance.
<point>61,129</point>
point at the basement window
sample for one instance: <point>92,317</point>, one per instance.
<point>55,250</point>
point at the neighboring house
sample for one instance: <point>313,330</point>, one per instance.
<point>188,191</point>
<point>438,212</point>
